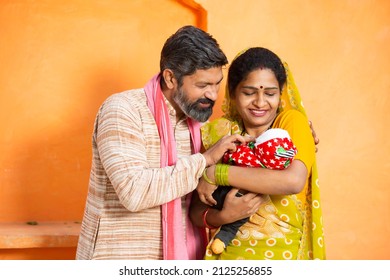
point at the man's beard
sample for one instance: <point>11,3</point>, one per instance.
<point>193,110</point>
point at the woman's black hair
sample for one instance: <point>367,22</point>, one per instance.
<point>253,59</point>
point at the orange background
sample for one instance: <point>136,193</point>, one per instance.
<point>60,59</point>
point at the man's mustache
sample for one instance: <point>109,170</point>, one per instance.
<point>206,101</point>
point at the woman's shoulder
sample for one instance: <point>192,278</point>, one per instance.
<point>291,113</point>
<point>221,124</point>
<point>215,129</point>
<point>289,117</point>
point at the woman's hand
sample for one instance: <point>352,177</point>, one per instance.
<point>205,190</point>
<point>234,209</point>
<point>316,139</point>
<point>239,207</point>
<point>226,143</point>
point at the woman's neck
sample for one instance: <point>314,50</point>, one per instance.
<point>256,131</point>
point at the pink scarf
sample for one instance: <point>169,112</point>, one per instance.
<point>174,245</point>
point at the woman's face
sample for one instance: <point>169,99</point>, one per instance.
<point>257,100</point>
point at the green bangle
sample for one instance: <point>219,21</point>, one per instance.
<point>207,179</point>
<point>222,174</point>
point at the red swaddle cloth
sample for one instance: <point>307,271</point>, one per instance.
<point>273,149</point>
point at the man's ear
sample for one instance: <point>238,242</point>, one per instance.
<point>169,78</point>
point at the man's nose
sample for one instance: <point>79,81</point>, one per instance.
<point>212,92</point>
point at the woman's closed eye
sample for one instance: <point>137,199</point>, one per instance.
<point>270,93</point>
<point>249,93</point>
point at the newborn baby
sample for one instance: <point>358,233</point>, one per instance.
<point>273,149</point>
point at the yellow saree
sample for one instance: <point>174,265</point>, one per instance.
<point>285,226</point>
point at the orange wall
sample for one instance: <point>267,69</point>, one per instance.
<point>61,59</point>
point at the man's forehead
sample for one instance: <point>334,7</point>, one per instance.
<point>211,75</point>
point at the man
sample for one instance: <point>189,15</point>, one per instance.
<point>146,159</point>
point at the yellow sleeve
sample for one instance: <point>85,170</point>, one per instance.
<point>298,127</point>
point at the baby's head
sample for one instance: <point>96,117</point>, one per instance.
<point>275,148</point>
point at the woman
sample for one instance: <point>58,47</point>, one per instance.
<point>261,94</point>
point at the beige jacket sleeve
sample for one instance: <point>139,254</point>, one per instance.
<point>128,144</point>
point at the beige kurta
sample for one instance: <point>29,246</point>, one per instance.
<point>122,218</point>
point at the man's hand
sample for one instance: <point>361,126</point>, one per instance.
<point>316,139</point>
<point>226,143</point>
